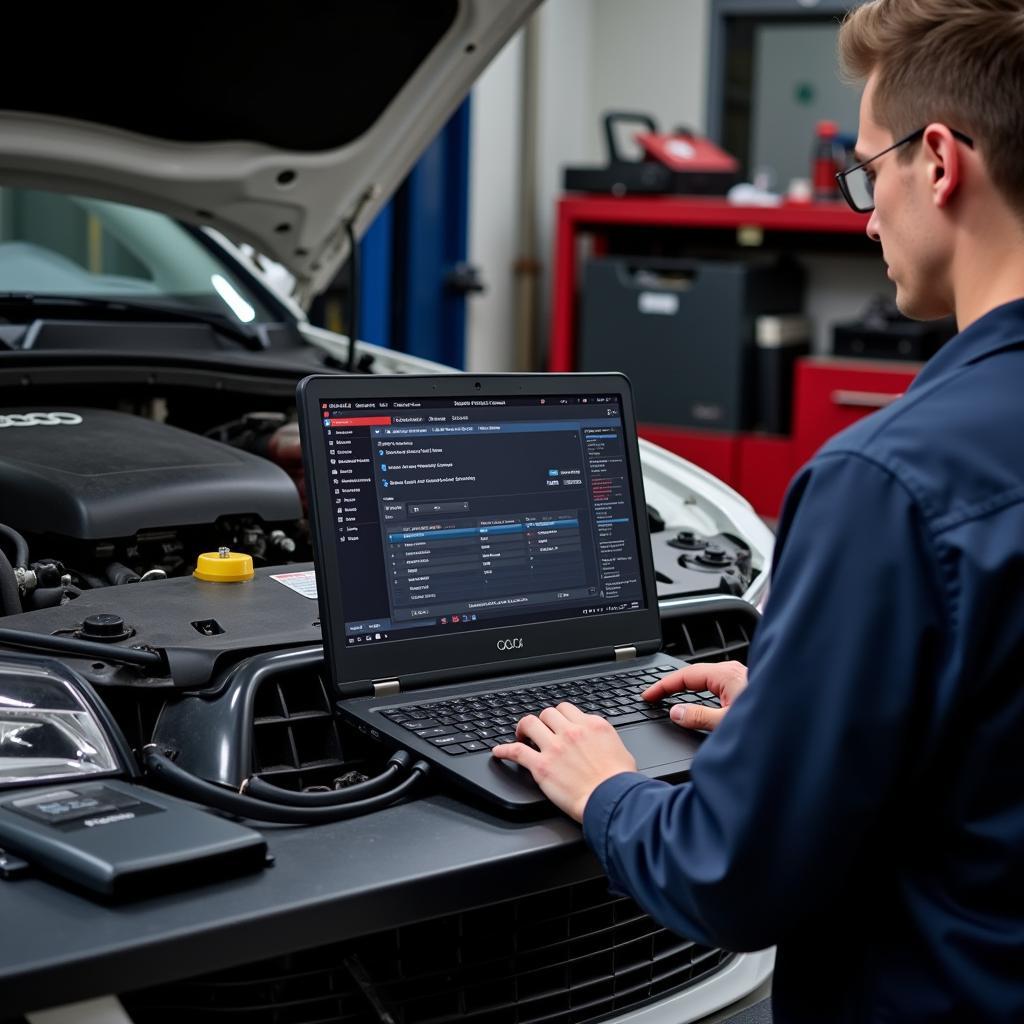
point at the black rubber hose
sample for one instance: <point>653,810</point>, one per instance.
<point>182,783</point>
<point>259,789</point>
<point>20,546</point>
<point>84,648</point>
<point>10,600</point>
<point>119,574</point>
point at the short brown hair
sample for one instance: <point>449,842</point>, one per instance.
<point>959,62</point>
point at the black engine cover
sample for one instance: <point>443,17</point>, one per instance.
<point>93,474</point>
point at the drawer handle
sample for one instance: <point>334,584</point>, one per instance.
<point>865,399</point>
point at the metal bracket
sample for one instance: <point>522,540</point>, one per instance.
<point>26,579</point>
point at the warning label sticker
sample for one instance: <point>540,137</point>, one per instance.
<point>303,583</point>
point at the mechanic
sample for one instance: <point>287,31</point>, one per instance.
<point>861,802</point>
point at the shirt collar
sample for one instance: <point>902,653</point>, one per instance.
<point>1000,328</point>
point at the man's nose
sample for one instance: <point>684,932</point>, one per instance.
<point>872,227</point>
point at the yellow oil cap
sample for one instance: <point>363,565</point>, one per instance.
<point>224,566</point>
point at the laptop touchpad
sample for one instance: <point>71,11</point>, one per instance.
<point>657,743</point>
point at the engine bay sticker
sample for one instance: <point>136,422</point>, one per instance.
<point>303,583</point>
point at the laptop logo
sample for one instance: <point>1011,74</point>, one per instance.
<point>512,644</point>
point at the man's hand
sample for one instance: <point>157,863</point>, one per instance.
<point>575,753</point>
<point>726,680</point>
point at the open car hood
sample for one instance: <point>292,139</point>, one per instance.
<point>273,125</point>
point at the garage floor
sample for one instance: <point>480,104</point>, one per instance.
<point>756,1008</point>
<point>760,1013</point>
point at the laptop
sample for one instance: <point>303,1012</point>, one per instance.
<point>483,551</point>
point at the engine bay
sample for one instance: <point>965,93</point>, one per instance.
<point>106,498</point>
<point>103,515</point>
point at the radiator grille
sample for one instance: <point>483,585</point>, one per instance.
<point>295,734</point>
<point>567,956</point>
<point>709,635</point>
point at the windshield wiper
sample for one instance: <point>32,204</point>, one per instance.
<point>253,337</point>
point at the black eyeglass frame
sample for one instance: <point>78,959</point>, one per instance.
<point>912,137</point>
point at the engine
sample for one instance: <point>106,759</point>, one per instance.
<point>105,498</point>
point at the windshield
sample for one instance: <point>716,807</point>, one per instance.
<point>56,244</point>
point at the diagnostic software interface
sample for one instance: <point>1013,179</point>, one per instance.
<point>460,514</point>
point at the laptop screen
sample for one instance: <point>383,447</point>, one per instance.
<point>451,515</point>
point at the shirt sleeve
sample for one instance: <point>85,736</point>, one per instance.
<point>786,792</point>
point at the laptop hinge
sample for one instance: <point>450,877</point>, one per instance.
<point>624,653</point>
<point>386,687</point>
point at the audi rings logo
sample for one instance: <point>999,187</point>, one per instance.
<point>40,419</point>
<point>512,644</point>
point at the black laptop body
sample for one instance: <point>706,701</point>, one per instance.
<point>482,550</point>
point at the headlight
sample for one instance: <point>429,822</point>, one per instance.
<point>47,729</point>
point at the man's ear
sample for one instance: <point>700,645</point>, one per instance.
<point>943,161</point>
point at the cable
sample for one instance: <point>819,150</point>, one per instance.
<point>259,789</point>
<point>10,602</point>
<point>353,294</point>
<point>84,648</point>
<point>20,546</point>
<point>181,783</point>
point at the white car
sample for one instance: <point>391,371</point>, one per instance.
<point>148,363</point>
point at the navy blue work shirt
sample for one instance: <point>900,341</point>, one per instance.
<point>862,803</point>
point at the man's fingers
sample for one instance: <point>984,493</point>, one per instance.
<point>571,712</point>
<point>692,677</point>
<point>665,686</point>
<point>519,753</point>
<point>554,719</point>
<point>533,729</point>
<point>713,676</point>
<point>697,716</point>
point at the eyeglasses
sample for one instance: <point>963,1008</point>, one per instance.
<point>857,184</point>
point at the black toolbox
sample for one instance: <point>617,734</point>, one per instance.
<point>683,331</point>
<point>883,332</point>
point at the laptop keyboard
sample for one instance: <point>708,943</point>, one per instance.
<point>481,721</point>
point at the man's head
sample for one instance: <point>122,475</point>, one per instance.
<point>953,68</point>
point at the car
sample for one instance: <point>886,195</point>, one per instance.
<point>154,273</point>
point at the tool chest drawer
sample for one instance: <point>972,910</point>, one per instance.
<point>831,394</point>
